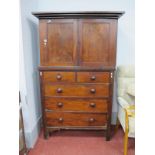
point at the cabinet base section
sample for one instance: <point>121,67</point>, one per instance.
<point>49,130</point>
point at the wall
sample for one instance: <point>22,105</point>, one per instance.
<point>29,81</point>
<point>30,56</point>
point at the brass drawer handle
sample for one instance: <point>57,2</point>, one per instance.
<point>60,119</point>
<point>93,91</point>
<point>92,105</point>
<point>93,77</point>
<point>59,77</point>
<point>92,120</point>
<point>59,90</point>
<point>59,104</point>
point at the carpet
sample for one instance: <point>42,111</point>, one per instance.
<point>81,143</point>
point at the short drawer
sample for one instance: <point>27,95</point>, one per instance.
<point>84,105</point>
<point>75,119</point>
<point>58,76</point>
<point>79,90</point>
<point>102,77</point>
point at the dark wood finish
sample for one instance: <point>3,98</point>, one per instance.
<point>46,134</point>
<point>78,105</point>
<point>102,77</point>
<point>80,90</point>
<point>77,64</point>
<point>96,50</point>
<point>43,49</point>
<point>58,77</point>
<point>110,108</point>
<point>76,68</point>
<point>74,119</point>
<point>86,14</point>
<point>51,128</point>
<point>58,50</point>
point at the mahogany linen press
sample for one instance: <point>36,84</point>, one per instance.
<point>77,64</point>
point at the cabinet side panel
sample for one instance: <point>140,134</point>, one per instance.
<point>113,43</point>
<point>42,33</point>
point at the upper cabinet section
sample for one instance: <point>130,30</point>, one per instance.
<point>78,38</point>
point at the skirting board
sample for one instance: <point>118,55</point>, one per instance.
<point>114,118</point>
<point>32,136</point>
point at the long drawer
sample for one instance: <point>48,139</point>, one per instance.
<point>85,105</point>
<point>80,90</point>
<point>74,119</point>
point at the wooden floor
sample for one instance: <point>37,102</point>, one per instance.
<point>81,143</point>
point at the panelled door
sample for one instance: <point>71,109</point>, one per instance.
<point>97,42</point>
<point>84,42</point>
<point>59,42</point>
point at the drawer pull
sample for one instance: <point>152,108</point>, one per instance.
<point>93,77</point>
<point>59,90</point>
<point>59,104</point>
<point>92,90</point>
<point>60,119</point>
<point>92,105</point>
<point>91,120</point>
<point>59,77</point>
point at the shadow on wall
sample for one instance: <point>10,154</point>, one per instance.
<point>33,25</point>
<point>125,47</point>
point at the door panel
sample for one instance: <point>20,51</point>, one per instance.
<point>61,42</point>
<point>96,42</point>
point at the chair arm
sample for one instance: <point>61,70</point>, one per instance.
<point>122,102</point>
<point>130,110</point>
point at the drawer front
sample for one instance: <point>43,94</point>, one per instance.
<point>87,90</point>
<point>85,105</point>
<point>102,77</point>
<point>74,119</point>
<point>58,76</point>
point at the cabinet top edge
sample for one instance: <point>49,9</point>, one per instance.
<point>95,14</point>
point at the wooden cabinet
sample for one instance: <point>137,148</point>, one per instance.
<point>77,63</point>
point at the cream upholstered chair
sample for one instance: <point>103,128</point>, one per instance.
<point>126,102</point>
